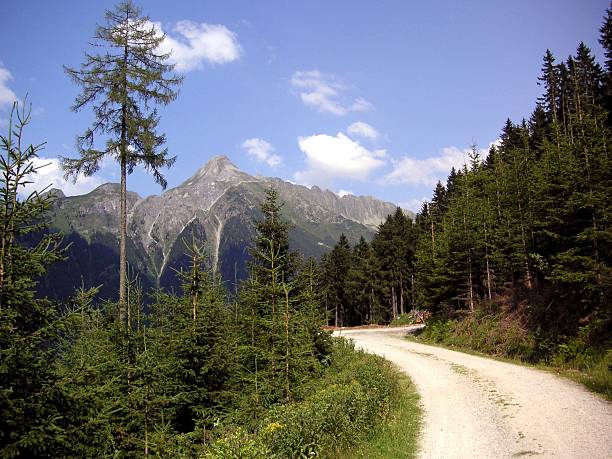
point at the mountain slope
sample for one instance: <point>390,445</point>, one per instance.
<point>215,206</point>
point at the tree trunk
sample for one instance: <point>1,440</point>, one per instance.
<point>470,285</point>
<point>401,295</point>
<point>433,239</point>
<point>393,303</point>
<point>287,387</point>
<point>412,299</point>
<point>487,261</point>
<point>123,216</point>
<point>122,245</point>
<point>336,316</point>
<point>194,287</point>
<point>371,300</point>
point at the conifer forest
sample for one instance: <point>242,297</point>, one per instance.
<point>512,256</point>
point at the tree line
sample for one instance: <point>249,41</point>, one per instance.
<point>525,229</point>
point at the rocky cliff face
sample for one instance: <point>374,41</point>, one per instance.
<point>215,206</point>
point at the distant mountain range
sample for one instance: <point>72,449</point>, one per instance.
<point>216,206</point>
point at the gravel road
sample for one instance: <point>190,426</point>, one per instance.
<point>476,407</point>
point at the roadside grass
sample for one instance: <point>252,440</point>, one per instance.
<point>595,373</point>
<point>397,436</point>
<point>362,406</point>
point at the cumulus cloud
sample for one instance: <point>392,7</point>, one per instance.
<point>337,157</point>
<point>429,170</point>
<point>262,151</point>
<point>51,175</point>
<point>363,129</point>
<point>343,193</point>
<point>324,93</point>
<point>192,44</point>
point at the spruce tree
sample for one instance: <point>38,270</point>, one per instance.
<point>605,40</point>
<point>336,268</point>
<point>272,235</point>
<point>121,83</point>
<point>278,343</point>
<point>31,406</point>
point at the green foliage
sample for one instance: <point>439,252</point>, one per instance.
<point>31,417</point>
<point>356,394</point>
<point>238,444</point>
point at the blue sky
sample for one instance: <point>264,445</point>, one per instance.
<point>377,98</point>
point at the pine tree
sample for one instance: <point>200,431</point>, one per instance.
<point>394,248</point>
<point>278,344</point>
<point>361,285</point>
<point>606,42</point>
<point>31,421</point>
<point>121,84</point>
<point>336,268</point>
<point>551,80</point>
<point>272,235</point>
<point>309,287</point>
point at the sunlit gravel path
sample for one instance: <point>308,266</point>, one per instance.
<point>475,407</point>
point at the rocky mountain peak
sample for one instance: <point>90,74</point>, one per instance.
<point>218,168</point>
<point>107,188</point>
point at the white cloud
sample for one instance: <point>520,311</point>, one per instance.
<point>343,193</point>
<point>429,170</point>
<point>191,44</point>
<point>51,175</point>
<point>324,93</point>
<point>7,96</point>
<point>262,151</point>
<point>363,129</point>
<point>337,156</point>
<point>360,105</point>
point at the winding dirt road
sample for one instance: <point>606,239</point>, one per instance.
<point>476,407</point>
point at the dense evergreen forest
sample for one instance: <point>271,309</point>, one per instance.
<point>521,237</point>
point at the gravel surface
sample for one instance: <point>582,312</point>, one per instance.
<point>475,407</point>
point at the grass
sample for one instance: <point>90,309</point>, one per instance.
<point>397,437</point>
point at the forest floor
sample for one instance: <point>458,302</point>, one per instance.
<point>479,407</point>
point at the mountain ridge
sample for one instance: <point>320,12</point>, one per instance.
<point>215,206</point>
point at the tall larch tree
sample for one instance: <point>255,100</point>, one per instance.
<point>122,83</point>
